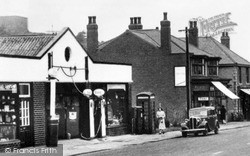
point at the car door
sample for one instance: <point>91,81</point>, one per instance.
<point>211,119</point>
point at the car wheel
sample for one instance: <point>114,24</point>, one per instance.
<point>205,131</point>
<point>184,134</point>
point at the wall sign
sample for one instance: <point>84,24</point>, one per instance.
<point>72,115</point>
<point>8,87</point>
<point>202,98</point>
<point>180,76</point>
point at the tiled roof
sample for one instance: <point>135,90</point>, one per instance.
<point>152,36</point>
<point>214,47</point>
<point>26,46</point>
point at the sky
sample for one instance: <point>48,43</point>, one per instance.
<point>113,16</point>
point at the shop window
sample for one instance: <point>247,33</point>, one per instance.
<point>116,107</point>
<point>212,68</point>
<point>25,113</point>
<point>24,90</point>
<point>198,66</point>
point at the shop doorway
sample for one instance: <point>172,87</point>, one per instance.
<point>25,129</point>
<point>67,107</point>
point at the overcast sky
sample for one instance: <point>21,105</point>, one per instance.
<point>113,16</point>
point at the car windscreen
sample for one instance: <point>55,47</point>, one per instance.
<point>198,113</point>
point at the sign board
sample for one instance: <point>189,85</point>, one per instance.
<point>72,115</point>
<point>202,98</point>
<point>180,76</point>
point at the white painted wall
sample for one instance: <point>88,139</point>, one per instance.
<point>26,70</point>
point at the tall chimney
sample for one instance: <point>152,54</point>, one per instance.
<point>165,34</point>
<point>193,33</point>
<point>92,34</point>
<point>225,39</point>
<point>135,23</point>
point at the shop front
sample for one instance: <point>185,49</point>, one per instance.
<point>15,115</point>
<point>211,93</point>
<point>245,102</point>
<point>38,87</point>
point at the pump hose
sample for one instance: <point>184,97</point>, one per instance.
<point>86,138</point>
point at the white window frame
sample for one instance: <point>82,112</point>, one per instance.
<point>25,113</point>
<point>26,95</point>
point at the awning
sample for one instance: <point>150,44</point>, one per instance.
<point>224,90</point>
<point>247,91</point>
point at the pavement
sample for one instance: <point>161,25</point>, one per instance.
<point>80,146</point>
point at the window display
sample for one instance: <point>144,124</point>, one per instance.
<point>8,115</point>
<point>116,107</point>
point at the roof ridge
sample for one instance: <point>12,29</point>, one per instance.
<point>215,41</point>
<point>149,36</point>
<point>104,44</point>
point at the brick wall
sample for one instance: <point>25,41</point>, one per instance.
<point>152,70</point>
<point>39,100</point>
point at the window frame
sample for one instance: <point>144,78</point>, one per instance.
<point>247,75</point>
<point>198,64</point>
<point>212,66</point>
<point>24,95</point>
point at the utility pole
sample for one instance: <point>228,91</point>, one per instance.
<point>187,70</point>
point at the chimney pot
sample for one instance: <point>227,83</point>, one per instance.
<point>135,20</point>
<point>139,20</point>
<point>94,19</point>
<point>190,24</point>
<point>90,19</point>
<point>165,15</point>
<point>131,20</point>
<point>195,24</point>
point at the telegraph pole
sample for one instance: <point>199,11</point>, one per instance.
<point>187,70</point>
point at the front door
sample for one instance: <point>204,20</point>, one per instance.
<point>25,130</point>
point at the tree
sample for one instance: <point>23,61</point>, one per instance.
<point>81,38</point>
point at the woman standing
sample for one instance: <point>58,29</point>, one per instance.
<point>160,115</point>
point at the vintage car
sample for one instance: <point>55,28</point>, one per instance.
<point>201,120</point>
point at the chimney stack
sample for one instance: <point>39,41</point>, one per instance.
<point>92,34</point>
<point>193,33</point>
<point>225,39</point>
<point>135,23</point>
<point>165,34</point>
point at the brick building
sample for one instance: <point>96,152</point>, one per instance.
<point>158,61</point>
<point>233,67</point>
<point>28,98</point>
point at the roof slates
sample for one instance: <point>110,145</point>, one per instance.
<point>24,45</point>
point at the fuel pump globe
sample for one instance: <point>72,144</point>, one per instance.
<point>87,92</point>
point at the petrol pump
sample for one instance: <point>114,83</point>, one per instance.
<point>97,119</point>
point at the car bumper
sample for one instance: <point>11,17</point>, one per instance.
<point>198,130</point>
